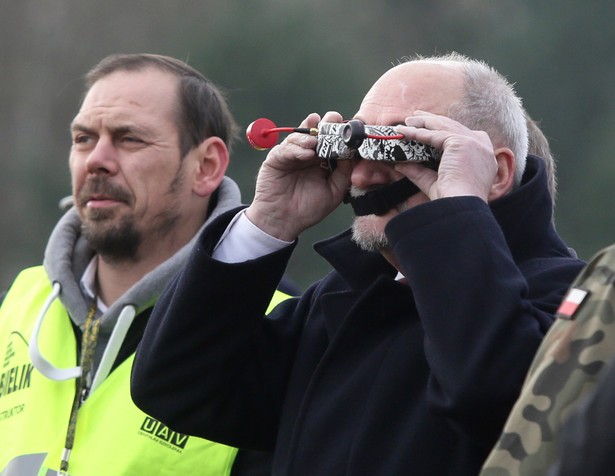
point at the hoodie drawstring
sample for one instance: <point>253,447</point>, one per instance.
<point>41,363</point>
<point>118,335</point>
<point>85,383</point>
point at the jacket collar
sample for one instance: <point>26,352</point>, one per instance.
<point>524,215</point>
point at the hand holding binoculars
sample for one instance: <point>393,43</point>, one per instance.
<point>348,140</point>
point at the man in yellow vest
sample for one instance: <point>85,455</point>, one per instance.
<point>150,148</point>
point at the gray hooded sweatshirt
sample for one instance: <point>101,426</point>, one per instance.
<point>66,258</point>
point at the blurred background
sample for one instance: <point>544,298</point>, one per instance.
<point>284,59</point>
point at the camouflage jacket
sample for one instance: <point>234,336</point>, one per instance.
<point>569,362</point>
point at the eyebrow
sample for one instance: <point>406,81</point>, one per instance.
<point>75,126</point>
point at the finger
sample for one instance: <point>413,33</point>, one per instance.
<point>423,177</point>
<point>302,139</point>
<point>305,141</point>
<point>420,112</point>
<point>332,116</point>
<point>293,153</point>
<point>311,120</point>
<point>428,120</point>
<point>422,134</point>
<point>340,178</point>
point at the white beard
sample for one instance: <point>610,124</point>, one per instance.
<point>368,230</point>
<point>368,235</point>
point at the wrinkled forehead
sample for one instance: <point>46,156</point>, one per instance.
<point>150,92</point>
<point>142,96</point>
<point>426,86</point>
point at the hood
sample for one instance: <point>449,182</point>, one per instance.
<point>68,254</point>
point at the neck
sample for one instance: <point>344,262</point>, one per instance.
<point>115,277</point>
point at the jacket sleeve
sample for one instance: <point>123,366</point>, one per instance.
<point>227,394</point>
<point>588,437</point>
<point>483,314</point>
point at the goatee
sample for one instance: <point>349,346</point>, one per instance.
<point>115,241</point>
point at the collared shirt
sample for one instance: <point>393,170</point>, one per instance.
<point>243,241</point>
<point>88,284</point>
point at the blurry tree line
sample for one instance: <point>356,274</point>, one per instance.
<point>285,59</point>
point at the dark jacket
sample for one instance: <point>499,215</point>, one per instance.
<point>363,374</point>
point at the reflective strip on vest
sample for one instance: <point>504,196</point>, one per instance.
<point>24,465</point>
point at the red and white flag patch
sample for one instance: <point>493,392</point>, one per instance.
<point>571,303</point>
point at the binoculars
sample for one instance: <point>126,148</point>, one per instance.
<point>349,140</point>
<point>353,139</point>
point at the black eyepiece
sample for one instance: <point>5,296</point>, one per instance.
<point>353,133</point>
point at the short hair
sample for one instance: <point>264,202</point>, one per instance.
<point>490,104</point>
<point>538,145</point>
<point>203,111</point>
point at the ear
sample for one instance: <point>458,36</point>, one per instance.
<point>211,159</point>
<point>505,177</point>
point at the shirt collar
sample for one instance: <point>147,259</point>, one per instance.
<point>88,283</point>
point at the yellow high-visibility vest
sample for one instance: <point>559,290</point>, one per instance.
<point>113,436</point>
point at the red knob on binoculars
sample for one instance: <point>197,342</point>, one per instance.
<point>263,134</point>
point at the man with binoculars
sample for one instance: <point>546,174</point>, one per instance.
<point>407,357</point>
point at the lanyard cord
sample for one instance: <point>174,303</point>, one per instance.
<point>88,344</point>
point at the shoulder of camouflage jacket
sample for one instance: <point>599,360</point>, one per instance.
<point>568,363</point>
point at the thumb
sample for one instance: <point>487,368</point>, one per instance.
<point>423,177</point>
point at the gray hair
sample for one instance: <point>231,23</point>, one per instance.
<point>489,104</point>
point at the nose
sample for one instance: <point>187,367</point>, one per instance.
<point>102,158</point>
<point>368,173</point>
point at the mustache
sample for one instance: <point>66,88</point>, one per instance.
<point>102,186</point>
<point>355,191</point>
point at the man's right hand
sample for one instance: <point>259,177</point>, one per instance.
<point>293,190</point>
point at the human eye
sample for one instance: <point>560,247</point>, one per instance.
<point>132,143</point>
<point>129,138</point>
<point>82,139</point>
<point>132,139</point>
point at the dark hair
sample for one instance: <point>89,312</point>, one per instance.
<point>538,144</point>
<point>203,111</point>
